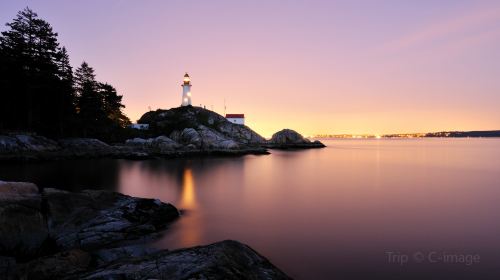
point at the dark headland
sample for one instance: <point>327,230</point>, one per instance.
<point>178,132</point>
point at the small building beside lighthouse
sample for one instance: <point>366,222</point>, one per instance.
<point>236,118</point>
<point>186,91</point>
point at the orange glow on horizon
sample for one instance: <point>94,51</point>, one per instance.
<point>334,68</point>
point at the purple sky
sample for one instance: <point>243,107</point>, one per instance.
<point>314,66</point>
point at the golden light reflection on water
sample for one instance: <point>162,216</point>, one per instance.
<point>187,202</point>
<point>188,193</point>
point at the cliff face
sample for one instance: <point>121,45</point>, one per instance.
<point>208,124</point>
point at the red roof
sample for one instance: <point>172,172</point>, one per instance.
<point>235,116</point>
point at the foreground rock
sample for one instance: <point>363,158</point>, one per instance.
<point>54,234</point>
<point>290,139</point>
<point>23,224</point>
<point>34,223</point>
<point>222,260</point>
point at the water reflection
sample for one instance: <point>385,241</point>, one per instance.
<point>188,193</point>
<point>322,214</point>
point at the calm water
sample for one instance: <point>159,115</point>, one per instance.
<point>356,209</point>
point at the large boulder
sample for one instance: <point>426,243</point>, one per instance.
<point>37,143</point>
<point>87,148</point>
<point>287,138</point>
<point>62,265</point>
<point>159,144</point>
<point>23,227</point>
<point>34,223</point>
<point>26,143</point>
<point>9,145</point>
<point>108,255</point>
<point>85,144</point>
<point>174,121</point>
<point>212,139</point>
<point>240,133</point>
<point>90,234</point>
<point>91,219</point>
<point>222,260</point>
<point>190,136</point>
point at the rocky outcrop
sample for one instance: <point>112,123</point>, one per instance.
<point>189,117</point>
<point>54,234</point>
<point>178,132</point>
<point>191,142</point>
<point>204,138</point>
<point>92,219</point>
<point>33,223</point>
<point>62,265</point>
<point>211,139</point>
<point>160,144</point>
<point>108,255</point>
<point>23,226</point>
<point>86,147</point>
<point>290,139</point>
<point>26,143</point>
<point>222,260</point>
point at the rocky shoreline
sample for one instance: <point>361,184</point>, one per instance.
<point>38,148</point>
<point>54,234</point>
<point>26,148</point>
<point>178,132</point>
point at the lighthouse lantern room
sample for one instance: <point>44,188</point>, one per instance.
<point>186,91</point>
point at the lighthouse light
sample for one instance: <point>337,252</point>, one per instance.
<point>186,91</point>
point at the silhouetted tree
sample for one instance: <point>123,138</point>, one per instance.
<point>36,84</point>
<point>39,92</point>
<point>99,106</point>
<point>90,103</point>
<point>113,105</point>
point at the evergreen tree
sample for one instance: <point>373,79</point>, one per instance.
<point>99,106</point>
<point>84,76</point>
<point>38,91</point>
<point>113,105</point>
<point>36,95</point>
<point>90,104</point>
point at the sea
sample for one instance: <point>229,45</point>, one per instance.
<point>424,208</point>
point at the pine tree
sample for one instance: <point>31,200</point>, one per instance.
<point>36,95</point>
<point>84,77</point>
<point>113,105</point>
<point>39,92</point>
<point>90,104</point>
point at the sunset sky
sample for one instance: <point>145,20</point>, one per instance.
<point>313,66</point>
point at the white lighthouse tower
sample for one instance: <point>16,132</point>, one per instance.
<point>186,91</point>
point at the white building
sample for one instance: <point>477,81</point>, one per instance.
<point>139,126</point>
<point>236,118</point>
<point>186,91</point>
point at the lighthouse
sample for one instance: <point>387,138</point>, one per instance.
<point>186,91</point>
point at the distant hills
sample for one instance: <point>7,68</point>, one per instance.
<point>447,134</point>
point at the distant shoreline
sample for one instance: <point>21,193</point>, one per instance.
<point>442,134</point>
